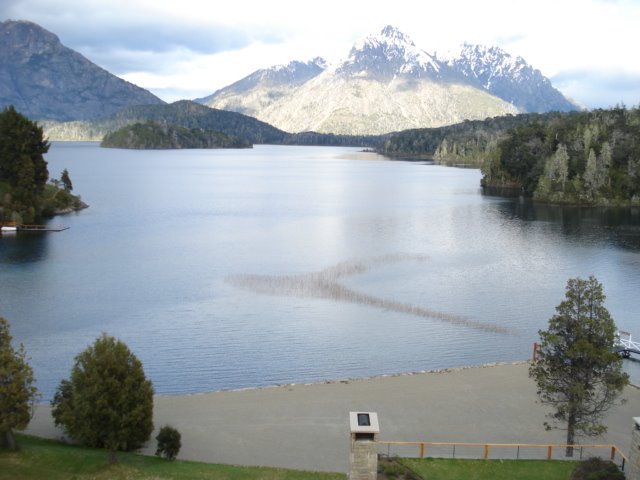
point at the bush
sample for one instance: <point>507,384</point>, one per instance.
<point>108,401</point>
<point>169,444</point>
<point>596,469</point>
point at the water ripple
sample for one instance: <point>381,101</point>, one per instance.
<point>326,284</point>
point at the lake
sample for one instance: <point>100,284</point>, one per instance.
<point>226,269</point>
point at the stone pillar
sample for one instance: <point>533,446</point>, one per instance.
<point>633,468</point>
<point>364,445</point>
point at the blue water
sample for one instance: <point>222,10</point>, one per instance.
<point>150,263</point>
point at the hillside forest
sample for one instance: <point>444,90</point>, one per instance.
<point>579,158</point>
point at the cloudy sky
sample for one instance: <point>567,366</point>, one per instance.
<point>190,48</point>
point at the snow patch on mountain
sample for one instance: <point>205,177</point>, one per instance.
<point>508,77</point>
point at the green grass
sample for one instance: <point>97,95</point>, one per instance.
<point>51,460</point>
<point>457,469</point>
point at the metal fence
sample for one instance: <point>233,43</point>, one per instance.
<point>501,451</point>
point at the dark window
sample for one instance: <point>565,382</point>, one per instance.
<point>363,420</point>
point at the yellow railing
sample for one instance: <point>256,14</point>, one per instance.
<point>424,449</point>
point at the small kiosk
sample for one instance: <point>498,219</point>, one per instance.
<point>364,445</point>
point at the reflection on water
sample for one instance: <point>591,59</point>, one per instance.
<point>23,247</point>
<point>325,284</point>
<point>617,226</point>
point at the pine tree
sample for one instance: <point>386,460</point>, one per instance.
<point>22,164</point>
<point>576,369</point>
<point>17,390</point>
<point>66,181</point>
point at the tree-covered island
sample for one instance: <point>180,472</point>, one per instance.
<point>577,158</point>
<point>160,136</point>
<point>26,194</point>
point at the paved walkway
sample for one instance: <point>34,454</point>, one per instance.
<point>307,426</point>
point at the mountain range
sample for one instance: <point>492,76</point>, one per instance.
<point>386,84</point>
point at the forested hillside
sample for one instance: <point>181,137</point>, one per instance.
<point>151,135</point>
<point>463,143</point>
<point>586,158</point>
<point>192,115</point>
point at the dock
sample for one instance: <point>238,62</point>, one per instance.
<point>625,346</point>
<point>12,228</point>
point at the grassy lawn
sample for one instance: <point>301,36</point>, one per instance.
<point>455,469</point>
<point>47,459</point>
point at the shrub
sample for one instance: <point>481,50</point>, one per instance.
<point>596,469</point>
<point>169,444</point>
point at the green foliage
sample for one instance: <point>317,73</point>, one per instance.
<point>576,370</point>
<point>469,142</point>
<point>601,150</point>
<point>522,153</point>
<point>25,194</point>
<point>107,402</point>
<point>169,442</point>
<point>22,165</point>
<point>66,181</point>
<point>459,469</point>
<point>17,388</point>
<point>596,469</point>
<point>151,135</point>
<point>392,468</point>
<point>52,460</point>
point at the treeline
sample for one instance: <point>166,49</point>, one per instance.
<point>192,115</point>
<point>151,135</point>
<point>466,143</point>
<point>584,158</point>
<point>587,158</point>
<point>25,194</point>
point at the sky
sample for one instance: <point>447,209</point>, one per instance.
<point>181,49</point>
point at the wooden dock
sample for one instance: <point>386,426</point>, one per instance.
<point>12,228</point>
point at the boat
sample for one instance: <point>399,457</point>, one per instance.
<point>8,227</point>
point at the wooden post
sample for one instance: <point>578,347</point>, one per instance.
<point>613,452</point>
<point>486,452</point>
<point>422,450</point>
<point>535,350</point>
<point>549,452</point>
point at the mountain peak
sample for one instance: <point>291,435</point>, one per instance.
<point>395,35</point>
<point>509,77</point>
<point>387,55</point>
<point>26,37</point>
<point>45,80</point>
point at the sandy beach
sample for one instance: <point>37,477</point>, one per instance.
<point>307,426</point>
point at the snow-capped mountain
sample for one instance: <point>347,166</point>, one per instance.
<point>510,78</point>
<point>390,54</point>
<point>263,87</point>
<point>385,84</point>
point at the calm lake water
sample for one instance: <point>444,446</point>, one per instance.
<point>231,269</point>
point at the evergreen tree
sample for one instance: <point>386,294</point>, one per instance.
<point>107,402</point>
<point>22,164</point>
<point>576,369</point>
<point>66,181</point>
<point>592,177</point>
<point>17,390</point>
